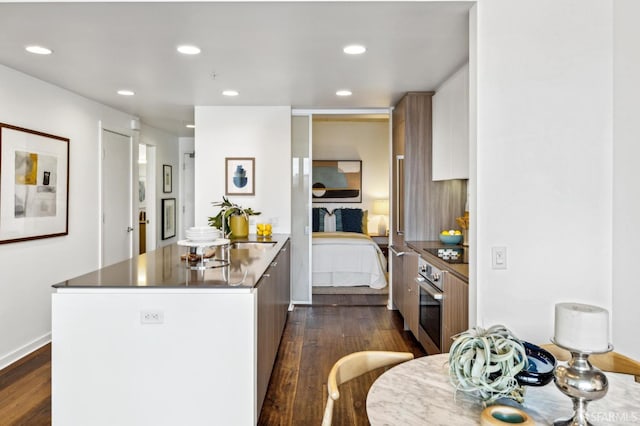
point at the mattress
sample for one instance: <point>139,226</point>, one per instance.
<point>346,259</point>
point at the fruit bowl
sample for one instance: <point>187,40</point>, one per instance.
<point>450,239</point>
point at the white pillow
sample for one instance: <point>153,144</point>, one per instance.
<point>329,222</point>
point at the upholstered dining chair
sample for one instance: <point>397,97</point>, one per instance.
<point>613,362</point>
<point>353,365</point>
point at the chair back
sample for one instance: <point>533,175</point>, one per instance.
<point>353,365</point>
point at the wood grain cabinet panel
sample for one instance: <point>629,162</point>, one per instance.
<point>455,315</point>
<point>423,207</point>
<point>273,304</point>
<point>397,274</point>
<point>412,292</point>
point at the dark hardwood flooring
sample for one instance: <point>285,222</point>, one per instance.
<point>25,390</point>
<point>314,338</point>
<point>350,299</point>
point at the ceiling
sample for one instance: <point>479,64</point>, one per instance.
<point>281,53</point>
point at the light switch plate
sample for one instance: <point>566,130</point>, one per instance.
<point>499,257</point>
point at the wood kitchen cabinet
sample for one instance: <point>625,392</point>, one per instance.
<point>422,207</point>
<point>412,295</point>
<point>273,304</point>
<point>455,305</point>
<point>406,296</point>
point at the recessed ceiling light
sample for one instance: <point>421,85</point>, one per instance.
<point>125,92</point>
<point>354,49</point>
<point>343,93</point>
<point>188,49</point>
<point>39,50</point>
<point>230,93</point>
<point>190,126</point>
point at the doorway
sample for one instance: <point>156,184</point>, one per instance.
<point>309,127</point>
<point>117,199</point>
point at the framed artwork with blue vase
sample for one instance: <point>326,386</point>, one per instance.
<point>240,176</point>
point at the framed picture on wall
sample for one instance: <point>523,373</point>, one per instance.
<point>336,181</point>
<point>168,218</point>
<point>240,176</point>
<point>167,179</point>
<point>34,184</point>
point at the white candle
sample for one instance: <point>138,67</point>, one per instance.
<point>582,327</point>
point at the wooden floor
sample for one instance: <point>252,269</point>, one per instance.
<point>25,390</point>
<point>314,338</point>
<point>350,299</point>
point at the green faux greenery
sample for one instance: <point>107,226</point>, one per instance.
<point>484,363</point>
<point>227,208</point>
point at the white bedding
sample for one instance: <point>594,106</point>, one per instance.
<point>346,259</point>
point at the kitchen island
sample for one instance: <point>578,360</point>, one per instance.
<point>153,341</point>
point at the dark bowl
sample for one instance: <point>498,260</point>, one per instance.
<point>539,372</point>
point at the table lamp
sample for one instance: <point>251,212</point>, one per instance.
<point>582,330</point>
<point>381,208</point>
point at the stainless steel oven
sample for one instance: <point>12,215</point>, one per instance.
<point>430,280</point>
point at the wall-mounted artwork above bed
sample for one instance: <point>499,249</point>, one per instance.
<point>337,181</point>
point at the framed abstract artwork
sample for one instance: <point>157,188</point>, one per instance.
<point>34,184</point>
<point>167,178</point>
<point>168,218</point>
<point>240,176</point>
<point>336,181</point>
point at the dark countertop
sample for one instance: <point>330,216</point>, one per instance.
<point>460,270</point>
<point>163,268</point>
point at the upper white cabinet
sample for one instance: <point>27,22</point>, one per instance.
<point>451,127</point>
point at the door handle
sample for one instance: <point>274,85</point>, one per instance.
<point>129,228</point>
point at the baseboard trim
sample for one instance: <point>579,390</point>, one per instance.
<point>25,350</point>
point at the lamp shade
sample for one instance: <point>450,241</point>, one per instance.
<point>381,207</point>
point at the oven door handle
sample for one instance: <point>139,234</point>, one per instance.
<point>437,295</point>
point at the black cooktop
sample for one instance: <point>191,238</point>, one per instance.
<point>450,254</point>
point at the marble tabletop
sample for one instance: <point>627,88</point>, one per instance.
<point>418,392</point>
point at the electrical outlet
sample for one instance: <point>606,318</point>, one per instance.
<point>151,317</point>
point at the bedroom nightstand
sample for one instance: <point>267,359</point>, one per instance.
<point>383,242</point>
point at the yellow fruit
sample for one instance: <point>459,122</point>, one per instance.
<point>445,233</point>
<point>260,226</point>
<point>267,227</point>
<point>458,232</point>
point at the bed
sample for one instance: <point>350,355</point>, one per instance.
<point>345,258</point>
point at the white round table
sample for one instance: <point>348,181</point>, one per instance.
<point>418,392</point>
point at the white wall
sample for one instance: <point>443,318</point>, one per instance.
<point>544,159</point>
<point>626,182</point>
<point>28,269</point>
<point>167,152</point>
<point>357,140</point>
<point>260,132</point>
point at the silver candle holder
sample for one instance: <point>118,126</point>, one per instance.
<point>580,381</point>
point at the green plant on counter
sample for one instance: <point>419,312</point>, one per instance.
<point>227,209</point>
<point>484,363</point>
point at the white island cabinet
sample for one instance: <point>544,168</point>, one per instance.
<point>164,352</point>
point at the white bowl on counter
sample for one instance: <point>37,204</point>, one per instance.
<point>202,233</point>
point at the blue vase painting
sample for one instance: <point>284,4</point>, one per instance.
<point>240,177</point>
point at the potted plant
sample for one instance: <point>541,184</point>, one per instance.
<point>232,218</point>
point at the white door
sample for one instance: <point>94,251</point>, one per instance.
<point>117,223</point>
<point>188,195</point>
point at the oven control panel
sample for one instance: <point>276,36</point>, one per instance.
<point>430,273</point>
